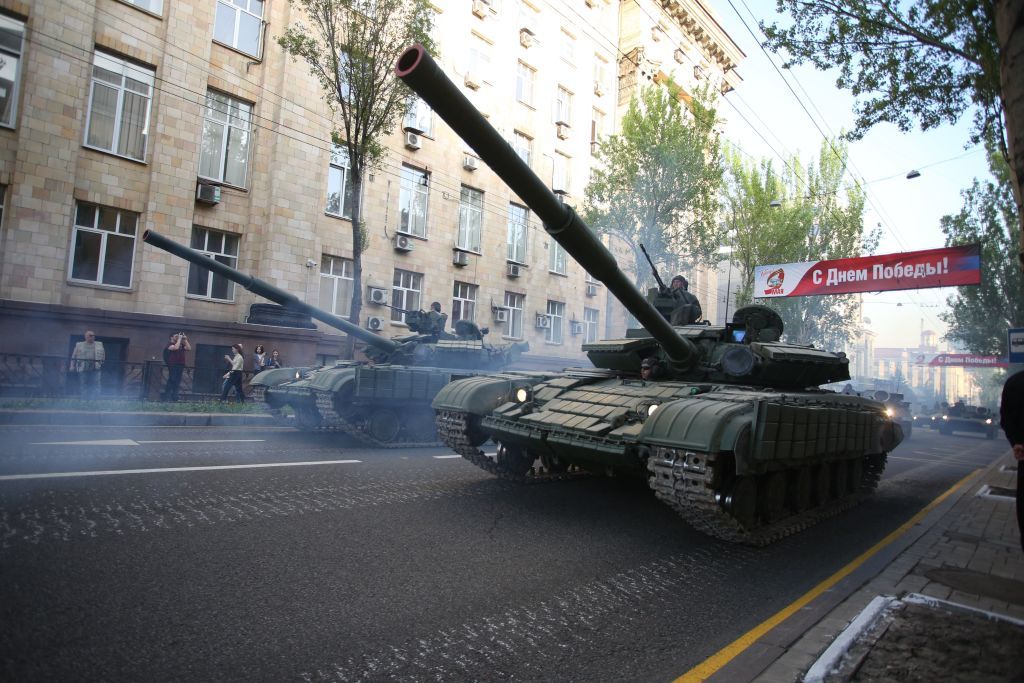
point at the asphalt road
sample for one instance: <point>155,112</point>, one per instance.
<point>262,554</point>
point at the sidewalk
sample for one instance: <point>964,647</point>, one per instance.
<point>136,419</point>
<point>943,601</point>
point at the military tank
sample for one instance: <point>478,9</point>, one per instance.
<point>726,423</point>
<point>385,401</point>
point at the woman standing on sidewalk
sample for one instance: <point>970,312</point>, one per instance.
<point>1011,419</point>
<point>233,377</point>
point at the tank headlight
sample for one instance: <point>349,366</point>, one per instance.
<point>988,421</point>
<point>889,412</point>
<point>651,408</point>
<point>522,395</point>
<point>298,374</point>
<point>945,417</point>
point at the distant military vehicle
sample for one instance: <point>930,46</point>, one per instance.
<point>964,418</point>
<point>726,423</point>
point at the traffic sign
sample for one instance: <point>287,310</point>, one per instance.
<point>1016,344</point>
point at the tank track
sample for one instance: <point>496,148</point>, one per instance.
<point>454,427</point>
<point>334,422</point>
<point>686,484</point>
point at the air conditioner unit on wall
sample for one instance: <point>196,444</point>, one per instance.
<point>526,38</point>
<point>575,327</point>
<point>469,162</point>
<point>479,8</point>
<point>562,130</point>
<point>542,321</point>
<point>403,243</point>
<point>591,289</point>
<point>375,323</point>
<point>514,270</point>
<point>471,80</point>
<point>460,258</point>
<point>378,296</point>
<point>413,141</point>
<point>598,88</point>
<point>207,193</point>
<point>500,315</point>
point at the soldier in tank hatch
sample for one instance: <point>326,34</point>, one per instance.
<point>687,310</point>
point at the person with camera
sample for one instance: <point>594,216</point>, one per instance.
<point>174,359</point>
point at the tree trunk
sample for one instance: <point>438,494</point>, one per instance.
<point>357,256</point>
<point>1008,16</point>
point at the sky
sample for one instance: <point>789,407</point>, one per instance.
<point>908,211</point>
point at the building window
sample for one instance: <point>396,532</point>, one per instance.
<point>420,118</point>
<point>339,187</point>
<point>563,105</point>
<point>600,73</point>
<point>567,47</point>
<point>514,303</point>
<point>336,285</point>
<point>221,247</point>
<point>471,218</point>
<point>405,293</point>
<point>104,245</point>
<point>591,318</point>
<point>239,24</point>
<point>463,301</point>
<point>412,202</point>
<point>119,101</point>
<point>556,314</point>
<point>524,83</point>
<point>522,145</point>
<point>596,128</point>
<point>560,173</point>
<point>556,257</point>
<point>154,6</point>
<point>478,60</point>
<point>227,126</point>
<point>12,37</point>
<point>518,217</point>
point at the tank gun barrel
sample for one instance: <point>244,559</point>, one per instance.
<point>421,73</point>
<point>266,290</point>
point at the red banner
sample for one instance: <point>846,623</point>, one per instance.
<point>968,360</point>
<point>944,267</point>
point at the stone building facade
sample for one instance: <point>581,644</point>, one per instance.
<point>185,117</point>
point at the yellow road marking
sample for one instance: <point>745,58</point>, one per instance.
<point>712,664</point>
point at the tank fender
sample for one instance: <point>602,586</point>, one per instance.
<point>332,379</point>
<point>482,394</point>
<point>276,376</point>
<point>700,424</point>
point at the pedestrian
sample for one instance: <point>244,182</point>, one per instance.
<point>87,360</point>
<point>687,309</point>
<point>174,359</point>
<point>1011,419</point>
<point>259,359</point>
<point>233,377</point>
<point>272,361</point>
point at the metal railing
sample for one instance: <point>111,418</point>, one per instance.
<point>31,376</point>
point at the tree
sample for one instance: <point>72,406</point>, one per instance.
<point>657,181</point>
<point>929,60</point>
<point>351,47</point>
<point>817,218</point>
<point>979,316</point>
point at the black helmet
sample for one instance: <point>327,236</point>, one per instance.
<point>436,306</point>
<point>686,284</point>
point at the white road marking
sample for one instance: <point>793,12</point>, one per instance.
<point>101,473</point>
<point>208,441</point>
<point>446,457</point>
<point>100,442</point>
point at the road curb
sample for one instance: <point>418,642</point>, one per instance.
<point>137,419</point>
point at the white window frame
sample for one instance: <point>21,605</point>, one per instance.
<point>567,47</point>
<point>464,301</point>
<point>563,105</point>
<point>406,293</point>
<point>600,71</point>
<point>12,66</point>
<point>239,10</point>
<point>515,304</point>
<point>228,255</point>
<point>478,57</point>
<point>526,77</point>
<point>143,77</point>
<point>591,323</point>
<point>234,118</point>
<point>471,218</point>
<point>560,172</point>
<point>412,198</point>
<point>557,258</point>
<point>420,117</point>
<point>522,145</point>
<point>152,6</point>
<point>556,314</point>
<point>518,230</point>
<point>336,281</point>
<point>596,128</point>
<point>122,229</point>
<point>339,174</point>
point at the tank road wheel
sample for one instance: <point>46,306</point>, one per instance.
<point>856,475</point>
<point>741,502</point>
<point>421,427</point>
<point>384,425</point>
<point>840,478</point>
<point>514,460</point>
<point>801,488</point>
<point>552,464</point>
<point>772,500</point>
<point>306,418</point>
<point>821,483</point>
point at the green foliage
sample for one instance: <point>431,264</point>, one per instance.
<point>657,181</point>
<point>978,317</point>
<point>818,218</point>
<point>927,61</point>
